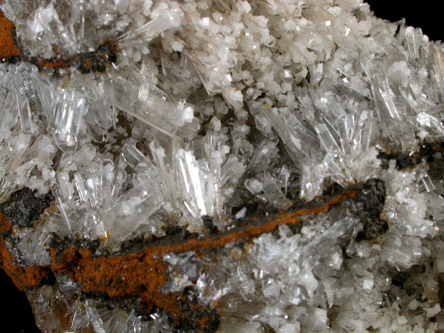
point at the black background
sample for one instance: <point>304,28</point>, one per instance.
<point>15,311</point>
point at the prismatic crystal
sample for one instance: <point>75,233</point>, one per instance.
<point>229,166</point>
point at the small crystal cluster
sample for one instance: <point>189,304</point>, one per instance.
<point>213,107</point>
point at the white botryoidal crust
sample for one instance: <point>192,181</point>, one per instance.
<point>212,106</point>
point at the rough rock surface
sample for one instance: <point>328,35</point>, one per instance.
<point>232,166</point>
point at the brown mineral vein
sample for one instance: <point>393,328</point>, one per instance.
<point>144,273</point>
<point>85,62</point>
<point>22,276</point>
<point>139,274</point>
<point>8,49</point>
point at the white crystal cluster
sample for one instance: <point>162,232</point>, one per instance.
<point>215,105</point>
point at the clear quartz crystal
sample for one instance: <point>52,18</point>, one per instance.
<point>68,116</point>
<point>274,194</point>
<point>165,21</point>
<point>214,111</point>
<point>24,111</point>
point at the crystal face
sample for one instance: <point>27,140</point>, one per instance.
<point>230,166</point>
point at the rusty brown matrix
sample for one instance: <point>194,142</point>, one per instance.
<point>86,62</point>
<point>143,274</point>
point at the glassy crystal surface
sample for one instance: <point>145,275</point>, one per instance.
<point>160,125</point>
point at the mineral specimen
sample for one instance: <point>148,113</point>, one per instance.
<point>230,166</point>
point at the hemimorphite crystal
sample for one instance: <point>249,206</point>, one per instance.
<point>187,128</point>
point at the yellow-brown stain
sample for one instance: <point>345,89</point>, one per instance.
<point>141,274</point>
<point>8,49</point>
<point>85,62</point>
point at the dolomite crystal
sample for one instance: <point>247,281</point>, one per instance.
<point>230,166</point>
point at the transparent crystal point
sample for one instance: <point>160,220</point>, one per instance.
<point>69,112</point>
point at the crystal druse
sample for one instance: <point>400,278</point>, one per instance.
<point>229,166</point>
